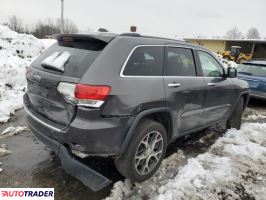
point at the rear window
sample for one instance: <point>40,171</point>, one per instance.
<point>145,61</point>
<point>77,55</point>
<point>252,70</point>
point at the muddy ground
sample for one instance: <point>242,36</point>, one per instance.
<point>33,165</point>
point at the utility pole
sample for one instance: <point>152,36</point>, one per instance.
<point>62,17</point>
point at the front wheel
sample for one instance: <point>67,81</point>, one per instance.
<point>145,152</point>
<point>236,118</point>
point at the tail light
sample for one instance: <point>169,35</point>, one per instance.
<point>84,95</point>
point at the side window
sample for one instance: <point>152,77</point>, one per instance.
<point>179,62</point>
<point>210,67</point>
<point>145,61</point>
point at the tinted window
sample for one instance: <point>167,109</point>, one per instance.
<point>82,55</point>
<point>210,67</point>
<point>145,61</point>
<point>252,70</point>
<point>180,62</point>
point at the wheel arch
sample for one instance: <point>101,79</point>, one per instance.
<point>245,95</point>
<point>162,115</point>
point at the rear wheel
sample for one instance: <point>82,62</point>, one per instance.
<point>236,118</point>
<point>145,152</point>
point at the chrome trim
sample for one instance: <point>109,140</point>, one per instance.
<point>37,119</point>
<point>174,85</point>
<point>128,57</point>
<point>97,104</point>
<point>164,76</point>
<point>211,84</point>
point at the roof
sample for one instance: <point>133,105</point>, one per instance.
<point>256,62</point>
<point>229,40</point>
<point>107,37</point>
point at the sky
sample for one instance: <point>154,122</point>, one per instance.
<point>170,18</point>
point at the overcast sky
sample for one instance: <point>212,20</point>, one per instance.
<point>187,18</point>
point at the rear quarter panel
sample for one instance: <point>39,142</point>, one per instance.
<point>129,95</point>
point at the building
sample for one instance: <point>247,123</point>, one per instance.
<point>249,46</point>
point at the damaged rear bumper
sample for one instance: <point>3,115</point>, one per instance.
<point>82,172</point>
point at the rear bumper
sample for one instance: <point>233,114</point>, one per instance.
<point>86,175</point>
<point>89,132</point>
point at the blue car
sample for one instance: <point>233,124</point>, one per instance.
<point>254,72</point>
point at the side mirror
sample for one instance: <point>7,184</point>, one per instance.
<point>231,72</point>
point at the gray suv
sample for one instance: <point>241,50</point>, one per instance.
<point>126,96</point>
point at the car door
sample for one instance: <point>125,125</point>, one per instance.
<point>184,90</point>
<point>220,90</point>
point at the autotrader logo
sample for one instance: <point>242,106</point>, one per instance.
<point>27,193</point>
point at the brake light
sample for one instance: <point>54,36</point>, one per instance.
<point>84,95</point>
<point>92,92</point>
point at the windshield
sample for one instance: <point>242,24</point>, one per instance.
<point>252,70</point>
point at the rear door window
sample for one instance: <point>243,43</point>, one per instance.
<point>179,62</point>
<point>145,61</point>
<point>80,53</point>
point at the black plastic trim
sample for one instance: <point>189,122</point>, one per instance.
<point>135,123</point>
<point>82,172</point>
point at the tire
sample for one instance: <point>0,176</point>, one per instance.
<point>236,118</point>
<point>135,169</point>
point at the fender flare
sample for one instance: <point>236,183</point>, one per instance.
<point>130,133</point>
<point>246,92</point>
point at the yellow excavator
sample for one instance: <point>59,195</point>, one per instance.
<point>235,55</point>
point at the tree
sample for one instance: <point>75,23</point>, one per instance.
<point>46,28</point>
<point>15,24</point>
<point>253,33</point>
<point>69,26</point>
<point>233,33</point>
<point>50,27</point>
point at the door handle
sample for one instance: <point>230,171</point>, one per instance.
<point>211,84</point>
<point>174,85</point>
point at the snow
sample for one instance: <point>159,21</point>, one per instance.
<point>57,61</point>
<point>11,131</point>
<point>225,62</point>
<point>4,151</point>
<point>17,51</point>
<point>232,168</point>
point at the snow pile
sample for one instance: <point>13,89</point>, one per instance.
<point>233,168</point>
<point>4,151</point>
<point>225,62</point>
<point>11,131</point>
<point>17,51</point>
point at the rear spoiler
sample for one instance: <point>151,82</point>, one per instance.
<point>72,37</point>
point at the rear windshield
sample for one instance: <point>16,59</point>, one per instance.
<point>70,58</point>
<point>252,70</point>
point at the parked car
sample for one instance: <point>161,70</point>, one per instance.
<point>254,72</point>
<point>126,96</point>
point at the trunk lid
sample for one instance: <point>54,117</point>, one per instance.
<point>44,76</point>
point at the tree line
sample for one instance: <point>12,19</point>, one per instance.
<point>50,27</point>
<point>41,29</point>
<point>235,33</point>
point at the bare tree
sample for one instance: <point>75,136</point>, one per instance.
<point>69,26</point>
<point>50,27</point>
<point>234,33</point>
<point>46,28</point>
<point>253,33</point>
<point>15,24</point>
